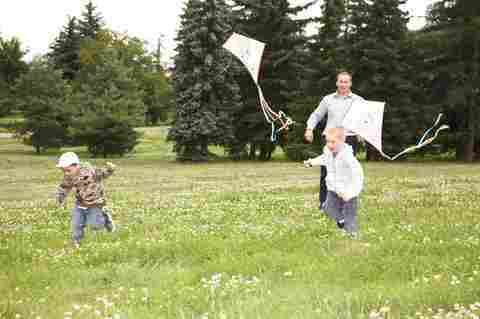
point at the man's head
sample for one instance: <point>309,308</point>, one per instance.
<point>344,83</point>
<point>69,163</point>
<point>335,137</point>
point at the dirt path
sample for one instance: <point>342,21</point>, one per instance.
<point>6,135</point>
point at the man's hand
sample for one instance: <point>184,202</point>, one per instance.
<point>308,135</point>
<point>111,165</point>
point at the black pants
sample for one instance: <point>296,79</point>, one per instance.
<point>353,142</point>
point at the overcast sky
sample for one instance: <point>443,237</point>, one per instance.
<point>37,24</point>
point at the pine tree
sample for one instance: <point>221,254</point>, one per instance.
<point>454,59</point>
<point>91,22</point>
<point>108,104</point>
<point>327,48</point>
<point>12,67</point>
<point>377,45</point>
<point>43,97</point>
<point>326,57</point>
<point>206,94</point>
<point>65,50</point>
<point>282,68</point>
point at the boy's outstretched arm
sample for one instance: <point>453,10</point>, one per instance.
<point>102,173</point>
<point>63,189</point>
<point>317,161</point>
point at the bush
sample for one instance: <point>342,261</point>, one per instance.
<point>42,135</point>
<point>108,136</point>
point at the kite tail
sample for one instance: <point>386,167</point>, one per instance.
<point>273,117</point>
<point>422,142</point>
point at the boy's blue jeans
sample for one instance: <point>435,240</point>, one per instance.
<point>338,209</point>
<point>81,217</point>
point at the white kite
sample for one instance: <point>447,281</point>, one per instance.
<point>365,118</point>
<point>249,52</point>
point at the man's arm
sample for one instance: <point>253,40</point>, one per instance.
<point>317,115</point>
<point>315,118</point>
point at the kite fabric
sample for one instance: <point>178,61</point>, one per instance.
<point>249,52</point>
<point>365,118</point>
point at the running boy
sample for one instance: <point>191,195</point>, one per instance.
<point>344,179</point>
<point>89,205</point>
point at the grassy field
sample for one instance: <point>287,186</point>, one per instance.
<point>239,240</point>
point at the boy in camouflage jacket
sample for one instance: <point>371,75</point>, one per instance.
<point>90,199</point>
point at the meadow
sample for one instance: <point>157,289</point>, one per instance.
<point>238,240</point>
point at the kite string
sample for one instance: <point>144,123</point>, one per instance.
<point>422,141</point>
<point>271,116</point>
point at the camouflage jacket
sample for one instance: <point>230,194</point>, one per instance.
<point>88,186</point>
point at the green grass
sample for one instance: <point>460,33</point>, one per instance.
<point>238,240</point>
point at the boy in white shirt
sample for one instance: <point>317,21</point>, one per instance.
<point>344,179</point>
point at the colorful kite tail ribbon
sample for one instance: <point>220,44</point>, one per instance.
<point>422,142</point>
<point>273,117</point>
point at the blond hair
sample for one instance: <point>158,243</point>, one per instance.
<point>344,73</point>
<point>336,132</point>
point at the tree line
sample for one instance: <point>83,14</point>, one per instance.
<point>92,88</point>
<point>101,75</point>
<point>418,73</point>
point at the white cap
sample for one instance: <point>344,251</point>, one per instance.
<point>68,159</point>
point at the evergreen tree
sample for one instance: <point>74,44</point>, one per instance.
<point>454,60</point>
<point>282,69</point>
<point>378,49</point>
<point>43,97</point>
<point>206,94</point>
<point>327,48</point>
<point>12,67</point>
<point>108,104</point>
<point>65,50</point>
<point>326,56</point>
<point>91,22</point>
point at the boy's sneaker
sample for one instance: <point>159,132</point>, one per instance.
<point>109,224</point>
<point>341,223</point>
<point>76,244</point>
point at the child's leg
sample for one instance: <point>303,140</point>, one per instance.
<point>78,223</point>
<point>350,215</point>
<point>332,206</point>
<point>95,218</point>
<point>109,224</point>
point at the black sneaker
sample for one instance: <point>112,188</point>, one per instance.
<point>109,224</point>
<point>341,223</point>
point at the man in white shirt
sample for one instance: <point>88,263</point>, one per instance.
<point>335,106</point>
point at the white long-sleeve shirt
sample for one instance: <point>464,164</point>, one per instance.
<point>344,172</point>
<point>335,106</point>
